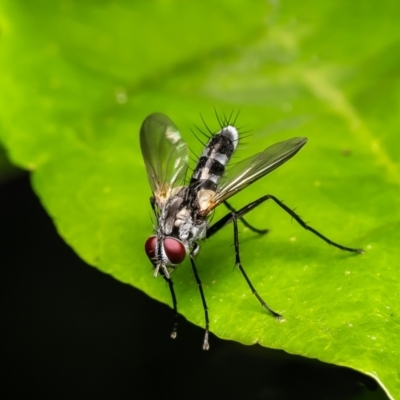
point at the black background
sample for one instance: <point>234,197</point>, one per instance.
<point>69,331</point>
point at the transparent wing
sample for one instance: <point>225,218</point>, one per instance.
<point>244,173</point>
<point>165,154</point>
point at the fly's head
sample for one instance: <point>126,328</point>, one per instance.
<point>165,253</point>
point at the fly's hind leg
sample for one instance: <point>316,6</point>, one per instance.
<point>239,265</point>
<point>245,223</point>
<point>243,211</point>
<point>233,216</point>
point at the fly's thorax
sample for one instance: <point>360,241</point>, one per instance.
<point>198,231</point>
<point>215,157</point>
<point>189,229</point>
<point>177,218</point>
<point>183,223</point>
<point>172,212</point>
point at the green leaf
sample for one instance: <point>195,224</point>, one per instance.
<point>79,77</point>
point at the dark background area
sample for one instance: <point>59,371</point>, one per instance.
<point>69,331</point>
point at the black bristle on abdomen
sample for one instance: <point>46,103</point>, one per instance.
<point>215,157</point>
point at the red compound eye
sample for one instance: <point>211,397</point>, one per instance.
<point>150,247</point>
<point>175,250</point>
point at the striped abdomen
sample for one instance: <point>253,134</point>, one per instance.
<point>215,157</point>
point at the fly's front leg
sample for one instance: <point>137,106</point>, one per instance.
<point>174,332</point>
<point>239,265</point>
<point>244,222</point>
<point>206,344</point>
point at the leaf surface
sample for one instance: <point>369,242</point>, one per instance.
<point>77,80</point>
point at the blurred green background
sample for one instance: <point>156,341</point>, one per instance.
<point>78,78</point>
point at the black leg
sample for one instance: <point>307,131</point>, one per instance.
<point>239,214</point>
<point>206,344</point>
<point>244,222</point>
<point>174,332</point>
<point>238,264</point>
